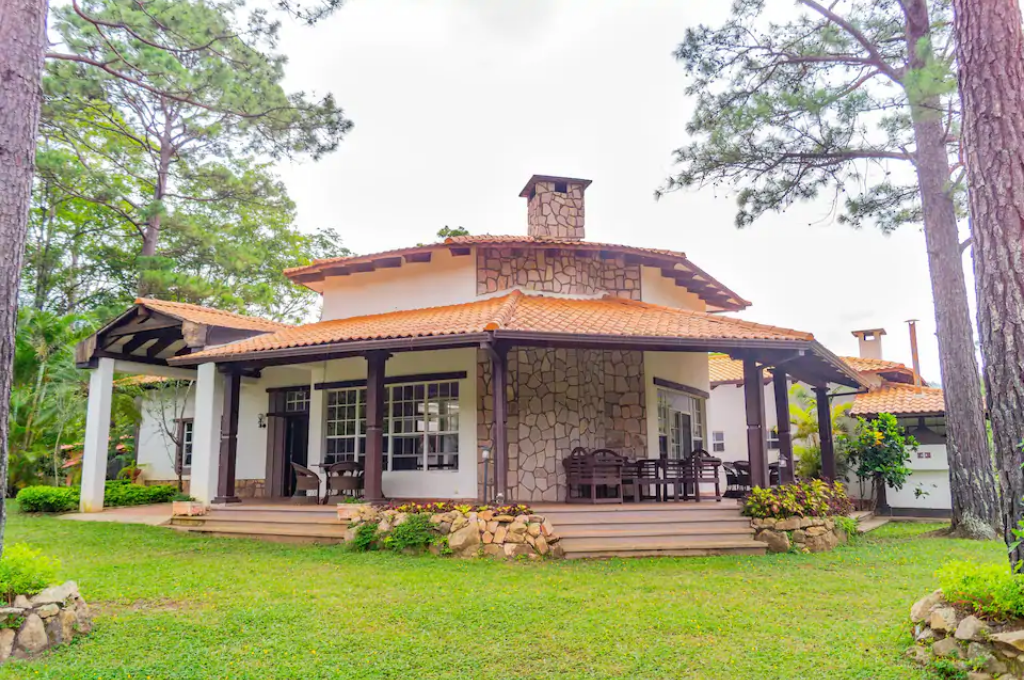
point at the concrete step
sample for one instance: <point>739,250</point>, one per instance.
<point>703,506</point>
<point>272,517</point>
<point>560,519</point>
<point>647,530</point>
<point>658,542</point>
<point>871,524</point>
<point>336,531</point>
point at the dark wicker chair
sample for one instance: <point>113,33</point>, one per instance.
<point>589,472</point>
<point>345,478</point>
<point>737,479</point>
<point>700,467</point>
<point>305,480</point>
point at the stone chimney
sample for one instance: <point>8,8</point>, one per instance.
<point>870,342</point>
<point>555,207</point>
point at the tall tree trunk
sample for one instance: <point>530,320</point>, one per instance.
<point>975,504</point>
<point>22,46</point>
<point>990,57</point>
<point>151,236</point>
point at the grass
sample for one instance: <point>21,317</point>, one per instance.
<point>179,606</point>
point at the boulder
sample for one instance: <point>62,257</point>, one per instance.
<point>500,534</point>
<point>514,550</point>
<point>83,616</point>
<point>947,647</point>
<point>925,634</point>
<point>492,526</point>
<point>922,608</point>
<point>547,528</point>
<point>533,529</point>
<point>459,522</point>
<point>400,518</point>
<point>972,628</point>
<point>56,594</point>
<point>979,675</point>
<point>48,611</point>
<point>920,655</point>
<point>504,519</point>
<point>788,524</point>
<point>798,536</point>
<point>1012,642</point>
<point>541,544</point>
<point>488,537</point>
<point>32,635</point>
<point>816,531</point>
<point>943,619</point>
<point>494,550</point>
<point>384,526</point>
<point>6,643</point>
<point>778,541</point>
<point>22,602</point>
<point>465,541</point>
<point>486,515</point>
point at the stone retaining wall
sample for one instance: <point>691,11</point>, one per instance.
<point>35,624</point>
<point>470,534</point>
<point>942,632</point>
<point>805,534</point>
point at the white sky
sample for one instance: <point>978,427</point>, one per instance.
<point>457,102</point>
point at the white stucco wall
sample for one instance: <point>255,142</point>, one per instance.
<point>685,368</point>
<point>445,280</point>
<point>659,290</point>
<point>421,483</point>
<point>156,451</point>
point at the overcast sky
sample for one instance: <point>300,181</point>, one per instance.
<point>457,102</point>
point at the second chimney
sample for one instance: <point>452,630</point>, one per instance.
<point>870,342</point>
<point>555,207</point>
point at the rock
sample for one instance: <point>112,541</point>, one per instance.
<point>943,619</point>
<point>533,530</point>
<point>541,544</point>
<point>798,536</point>
<point>488,537</point>
<point>946,647</point>
<point>1012,642</point>
<point>436,518</point>
<point>444,528</point>
<point>788,524</point>
<point>524,519</point>
<point>922,608</point>
<point>816,531</point>
<point>547,528</point>
<point>492,526</point>
<point>822,542</point>
<point>972,628</point>
<point>977,675</point>
<point>56,594</point>
<point>504,519</point>
<point>514,550</point>
<point>22,602</point>
<point>6,643</point>
<point>384,526</point>
<point>515,536</point>
<point>464,542</point>
<point>920,655</point>
<point>926,634</point>
<point>557,552</point>
<point>500,534</point>
<point>459,522</point>
<point>778,542</point>
<point>979,650</point>
<point>486,515</point>
<point>48,611</point>
<point>494,551</point>
<point>995,665</point>
<point>32,635</point>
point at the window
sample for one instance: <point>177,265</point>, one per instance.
<point>421,426</point>
<point>773,439</point>
<point>680,424</point>
<point>183,447</point>
<point>296,401</point>
<point>718,442</point>
<point>562,187</point>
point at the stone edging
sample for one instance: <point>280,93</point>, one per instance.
<point>34,624</point>
<point>470,534</point>
<point>805,534</point>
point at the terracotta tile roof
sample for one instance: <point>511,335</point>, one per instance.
<point>209,316</point>
<point>876,365</point>
<point>725,370</point>
<point>514,312</point>
<point>899,400</point>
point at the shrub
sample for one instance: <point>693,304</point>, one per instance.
<point>415,533</point>
<point>365,538</point>
<point>810,498</point>
<point>48,499</point>
<point>118,493</point>
<point>449,506</point>
<point>989,590</point>
<point>24,571</point>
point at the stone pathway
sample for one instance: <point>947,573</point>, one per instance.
<point>153,515</point>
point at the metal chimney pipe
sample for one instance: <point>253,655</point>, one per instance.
<point>912,323</point>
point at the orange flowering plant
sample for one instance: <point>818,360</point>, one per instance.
<point>880,452</point>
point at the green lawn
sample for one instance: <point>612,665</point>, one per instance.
<point>176,606</point>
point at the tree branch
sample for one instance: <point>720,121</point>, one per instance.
<point>877,60</point>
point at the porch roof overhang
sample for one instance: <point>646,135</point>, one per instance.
<point>519,319</point>
<point>152,332</point>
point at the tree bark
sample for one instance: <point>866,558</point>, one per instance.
<point>975,504</point>
<point>990,59</point>
<point>22,46</point>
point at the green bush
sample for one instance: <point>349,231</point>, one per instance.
<point>118,493</point>
<point>989,590</point>
<point>415,533</point>
<point>365,538</point>
<point>24,571</point>
<point>808,498</point>
<point>48,499</point>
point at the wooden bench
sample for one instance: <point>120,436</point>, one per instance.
<point>701,467</point>
<point>588,471</point>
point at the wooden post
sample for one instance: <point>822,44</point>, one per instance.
<point>828,453</point>
<point>499,381</point>
<point>373,462</point>
<point>757,445</point>
<point>229,439</point>
<point>786,463</point>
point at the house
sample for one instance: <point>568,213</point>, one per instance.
<point>444,365</point>
<point>892,388</point>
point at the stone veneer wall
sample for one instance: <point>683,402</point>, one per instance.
<point>51,618</point>
<point>556,214</point>
<point>244,488</point>
<point>560,399</point>
<point>567,273</point>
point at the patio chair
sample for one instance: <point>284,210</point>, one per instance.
<point>588,472</point>
<point>638,476</point>
<point>305,480</point>
<point>346,478</point>
<point>701,467</point>
<point>737,479</point>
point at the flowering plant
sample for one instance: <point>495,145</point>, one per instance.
<point>808,498</point>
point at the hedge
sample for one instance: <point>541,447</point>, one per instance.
<point>118,493</point>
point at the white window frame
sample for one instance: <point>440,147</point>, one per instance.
<point>697,411</point>
<point>718,442</point>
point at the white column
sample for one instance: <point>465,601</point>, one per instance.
<point>97,436</point>
<point>209,403</point>
<point>315,444</point>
